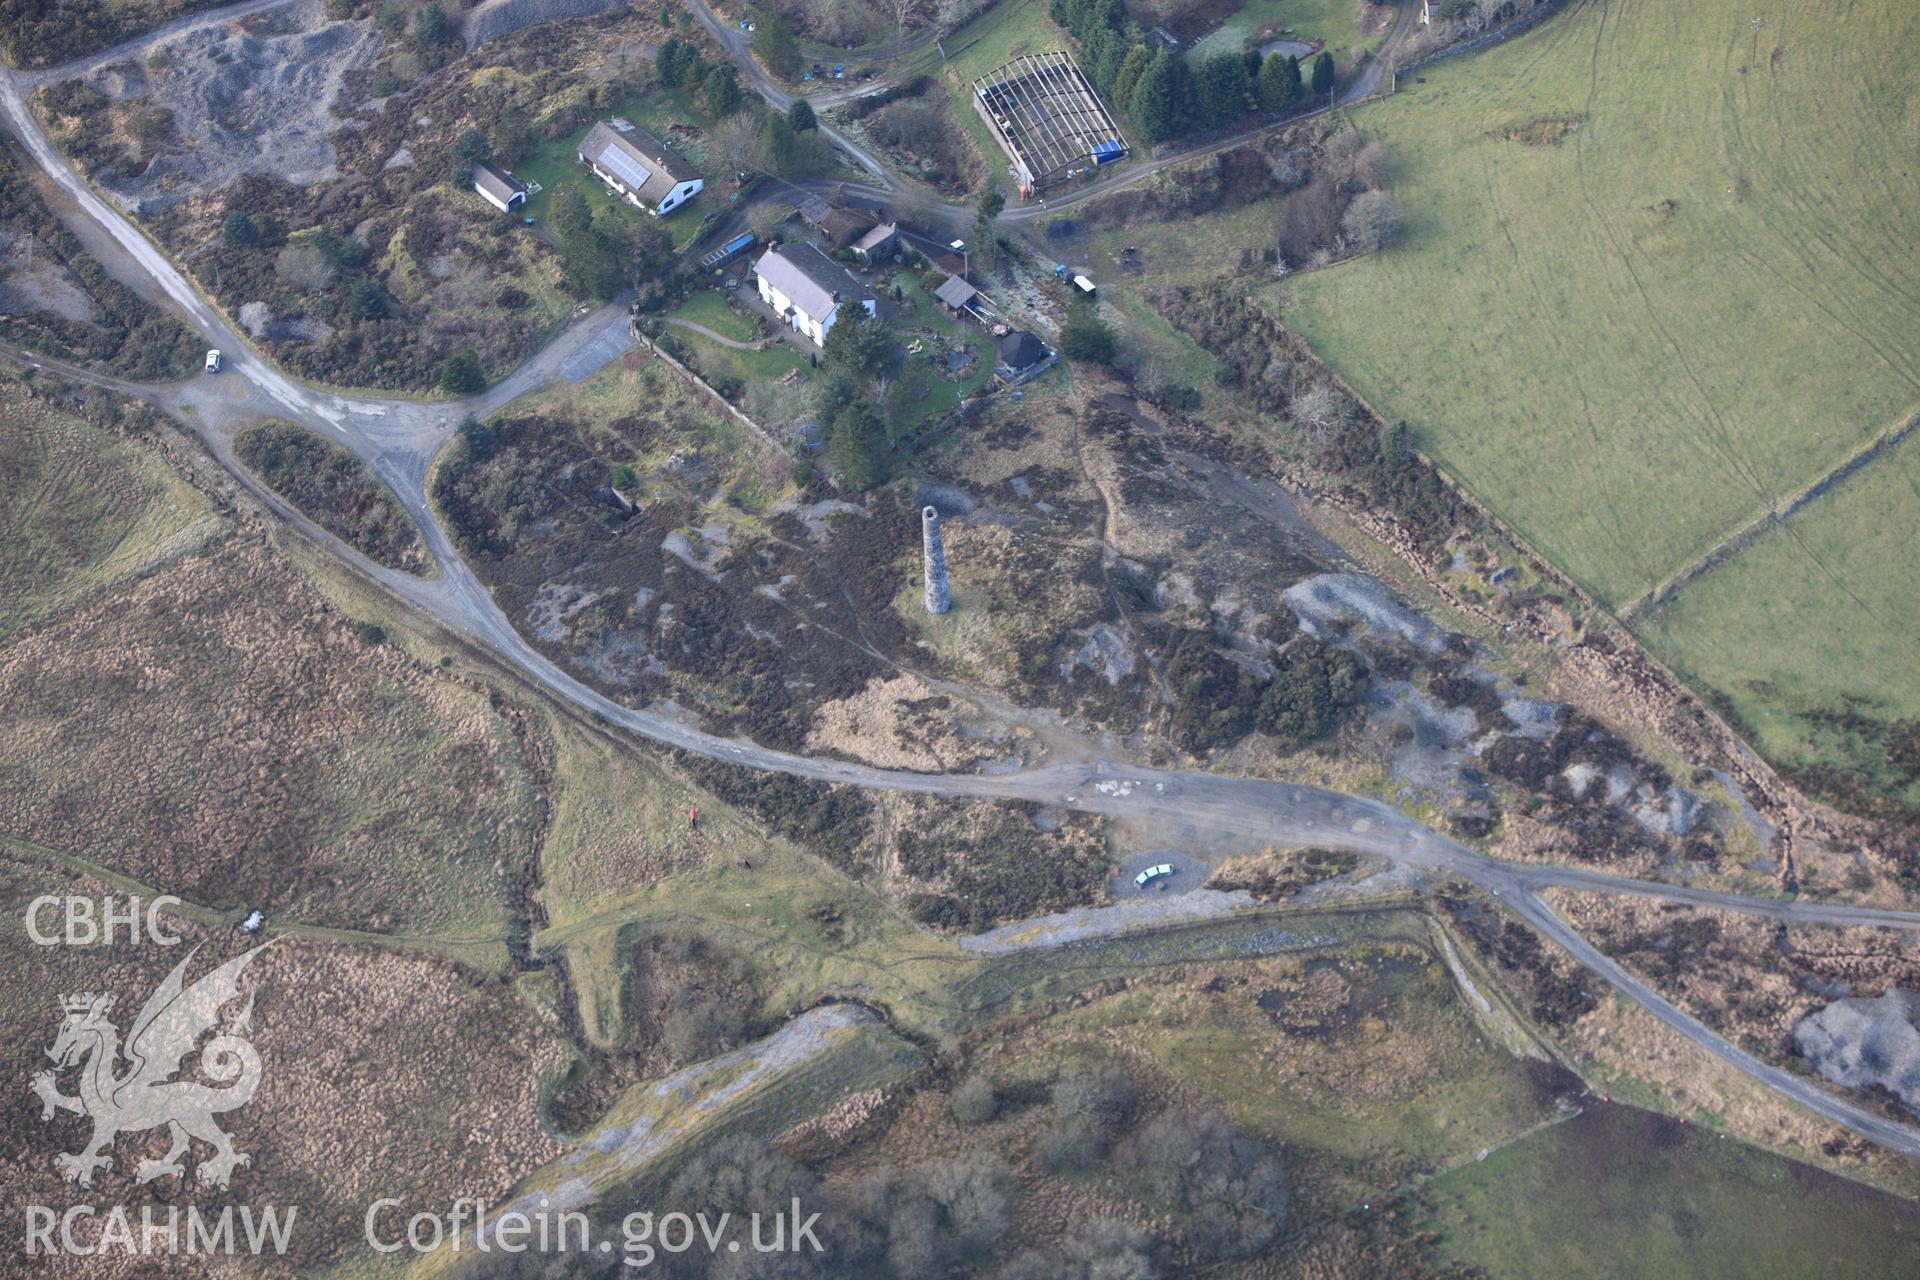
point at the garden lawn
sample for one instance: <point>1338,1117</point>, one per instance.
<point>920,311</point>
<point>707,307</point>
<point>555,162</point>
<point>748,366</point>
<point>1329,21</point>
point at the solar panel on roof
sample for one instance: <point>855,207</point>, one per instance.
<point>624,167</point>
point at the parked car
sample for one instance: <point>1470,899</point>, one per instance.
<point>213,360</point>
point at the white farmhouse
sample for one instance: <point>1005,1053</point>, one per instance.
<point>806,288</point>
<point>638,167</point>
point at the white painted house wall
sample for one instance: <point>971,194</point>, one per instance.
<point>504,206</point>
<point>681,193</point>
<point>814,327</point>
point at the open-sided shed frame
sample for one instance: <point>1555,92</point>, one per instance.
<point>1048,118</point>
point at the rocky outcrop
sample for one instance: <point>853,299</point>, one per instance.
<point>1861,1042</point>
<point>500,17</point>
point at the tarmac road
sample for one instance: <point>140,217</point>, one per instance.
<point>399,437</point>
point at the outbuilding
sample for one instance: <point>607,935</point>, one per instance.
<point>1020,351</point>
<point>955,294</point>
<point>1019,356</point>
<point>498,187</point>
<point>877,243</point>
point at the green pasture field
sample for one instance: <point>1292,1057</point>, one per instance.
<point>1815,618</point>
<point>1634,340</point>
<point>1657,278</point>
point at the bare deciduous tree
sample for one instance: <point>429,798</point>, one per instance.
<point>1316,411</point>
<point>1310,219</point>
<point>766,218</point>
<point>302,265</point>
<point>902,11</point>
<point>835,21</point>
<point>1371,221</point>
<point>949,14</point>
<point>736,139</point>
<point>1370,165</point>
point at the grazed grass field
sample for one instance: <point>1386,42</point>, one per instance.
<point>80,511</point>
<point>1636,339</point>
<point>1656,279</point>
<point>1816,618</point>
<point>1619,1191</point>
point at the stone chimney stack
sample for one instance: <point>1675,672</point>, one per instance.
<point>939,599</point>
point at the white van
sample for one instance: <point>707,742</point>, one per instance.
<point>213,360</point>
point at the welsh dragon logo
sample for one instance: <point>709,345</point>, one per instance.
<point>144,1096</point>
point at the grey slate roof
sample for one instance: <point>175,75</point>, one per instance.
<point>497,182</point>
<point>809,278</point>
<point>955,292</point>
<point>636,157</point>
<point>876,237</point>
<point>1021,350</point>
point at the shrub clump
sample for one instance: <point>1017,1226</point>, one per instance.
<point>335,490</point>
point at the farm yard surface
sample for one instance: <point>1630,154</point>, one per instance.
<point>1657,285</point>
